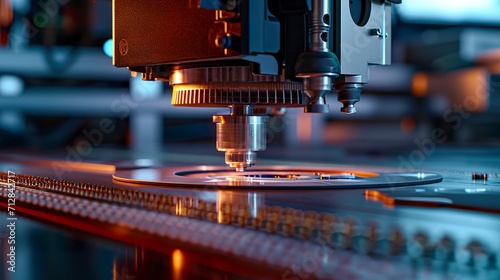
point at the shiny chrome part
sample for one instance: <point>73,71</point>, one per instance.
<point>319,25</point>
<point>232,85</point>
<point>240,136</point>
<point>316,88</point>
<point>349,109</point>
<point>318,85</point>
<point>249,97</point>
<point>348,95</point>
<point>239,160</point>
<point>349,90</point>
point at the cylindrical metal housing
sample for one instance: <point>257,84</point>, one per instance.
<point>319,25</point>
<point>240,136</point>
<point>318,79</point>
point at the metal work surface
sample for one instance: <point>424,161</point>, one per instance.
<point>434,230</point>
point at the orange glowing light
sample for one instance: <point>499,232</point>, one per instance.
<point>420,84</point>
<point>177,263</point>
<point>178,208</point>
<point>491,60</point>
<point>219,208</point>
<point>407,124</point>
<point>177,77</point>
<point>6,13</point>
<point>377,196</point>
<point>116,274</point>
<point>475,88</point>
<point>304,128</point>
<point>75,165</point>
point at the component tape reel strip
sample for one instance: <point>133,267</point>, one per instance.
<point>99,209</point>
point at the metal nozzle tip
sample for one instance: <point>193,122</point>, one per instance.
<point>349,109</point>
<point>240,161</point>
<point>316,108</point>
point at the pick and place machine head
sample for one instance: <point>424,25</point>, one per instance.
<point>256,57</point>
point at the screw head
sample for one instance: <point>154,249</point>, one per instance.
<point>376,32</point>
<point>223,41</point>
<point>123,47</point>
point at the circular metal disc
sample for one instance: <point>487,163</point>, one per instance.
<point>275,177</point>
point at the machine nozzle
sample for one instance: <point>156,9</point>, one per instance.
<point>348,109</point>
<point>240,160</point>
<point>240,136</point>
<point>348,95</point>
<point>318,65</point>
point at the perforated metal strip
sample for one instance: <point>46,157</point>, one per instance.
<point>292,256</point>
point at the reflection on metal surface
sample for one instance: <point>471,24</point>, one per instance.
<point>380,197</point>
<point>72,162</point>
<point>390,201</point>
<point>177,263</point>
<point>243,205</point>
<point>274,177</point>
<point>240,137</point>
